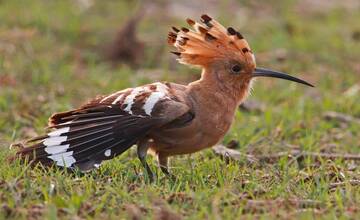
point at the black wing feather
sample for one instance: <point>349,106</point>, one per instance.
<point>87,137</point>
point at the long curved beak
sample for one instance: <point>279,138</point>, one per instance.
<point>270,73</point>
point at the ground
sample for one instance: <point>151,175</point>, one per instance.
<point>53,58</point>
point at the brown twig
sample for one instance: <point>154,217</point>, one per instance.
<point>236,155</point>
<point>340,117</point>
<point>341,184</point>
<point>264,206</point>
<point>297,203</point>
<point>314,155</point>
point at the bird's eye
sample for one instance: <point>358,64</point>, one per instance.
<point>236,69</point>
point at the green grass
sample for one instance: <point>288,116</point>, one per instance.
<point>49,56</point>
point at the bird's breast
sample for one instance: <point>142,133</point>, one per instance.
<point>206,129</point>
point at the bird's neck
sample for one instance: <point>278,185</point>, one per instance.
<point>228,93</point>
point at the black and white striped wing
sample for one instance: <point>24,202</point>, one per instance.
<point>89,137</point>
<point>102,129</point>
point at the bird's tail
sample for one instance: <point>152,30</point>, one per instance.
<point>84,138</point>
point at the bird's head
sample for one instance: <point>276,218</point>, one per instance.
<point>222,52</point>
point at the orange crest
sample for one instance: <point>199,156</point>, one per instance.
<point>208,41</point>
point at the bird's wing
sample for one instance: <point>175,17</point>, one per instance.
<point>105,127</point>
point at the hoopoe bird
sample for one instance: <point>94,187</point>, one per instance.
<point>165,118</point>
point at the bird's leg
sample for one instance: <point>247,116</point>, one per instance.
<point>163,164</point>
<point>142,149</point>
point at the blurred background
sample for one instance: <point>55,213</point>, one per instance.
<point>55,55</point>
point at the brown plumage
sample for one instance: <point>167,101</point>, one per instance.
<point>166,118</point>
